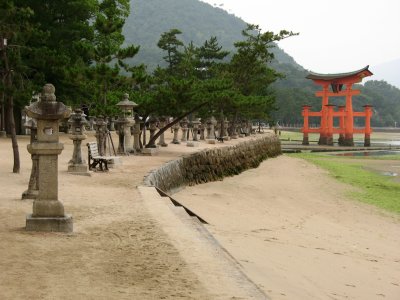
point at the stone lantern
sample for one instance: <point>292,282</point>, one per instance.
<point>101,134</point>
<point>175,139</point>
<point>125,122</point>
<point>162,143</point>
<point>196,124</point>
<point>184,126</point>
<point>224,129</point>
<point>33,187</point>
<point>92,121</point>
<point>202,129</point>
<point>136,133</point>
<point>48,212</point>
<point>234,134</point>
<point>153,127</point>
<point>77,165</point>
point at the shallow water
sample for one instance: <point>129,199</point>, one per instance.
<point>367,153</point>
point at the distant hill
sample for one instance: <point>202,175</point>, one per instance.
<point>389,71</point>
<point>199,21</point>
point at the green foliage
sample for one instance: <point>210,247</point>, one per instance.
<point>109,55</point>
<point>171,44</point>
<point>372,188</point>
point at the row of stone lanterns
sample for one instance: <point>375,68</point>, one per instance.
<point>48,212</point>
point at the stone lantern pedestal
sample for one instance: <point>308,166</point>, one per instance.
<point>124,132</point>
<point>48,212</point>
<point>77,165</point>
<point>210,125</point>
<point>175,139</point>
<point>101,134</point>
<point>184,126</point>
<point>161,142</point>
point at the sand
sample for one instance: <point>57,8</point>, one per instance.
<point>117,251</point>
<point>292,240</point>
<point>296,234</point>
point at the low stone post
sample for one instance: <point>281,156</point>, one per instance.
<point>101,134</point>
<point>48,212</point>
<point>77,165</point>
<point>33,187</point>
<point>184,126</point>
<point>163,122</point>
<point>175,140</point>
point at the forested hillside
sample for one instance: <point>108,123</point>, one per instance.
<point>198,21</point>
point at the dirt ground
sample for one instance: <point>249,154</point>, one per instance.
<point>297,236</point>
<point>117,251</point>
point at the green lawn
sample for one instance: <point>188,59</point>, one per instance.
<point>373,188</point>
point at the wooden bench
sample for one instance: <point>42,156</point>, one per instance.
<point>218,138</point>
<point>95,159</point>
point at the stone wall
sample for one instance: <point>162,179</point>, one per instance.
<point>213,164</point>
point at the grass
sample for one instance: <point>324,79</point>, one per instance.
<point>372,188</point>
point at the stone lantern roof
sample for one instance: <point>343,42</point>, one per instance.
<point>47,108</point>
<point>126,104</point>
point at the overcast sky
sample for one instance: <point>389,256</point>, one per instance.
<point>335,36</point>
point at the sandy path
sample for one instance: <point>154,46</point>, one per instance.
<point>297,236</point>
<point>117,251</point>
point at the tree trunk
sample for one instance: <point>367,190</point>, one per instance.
<point>10,110</point>
<point>10,113</point>
<point>165,128</point>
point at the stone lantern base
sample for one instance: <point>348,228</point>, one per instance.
<point>211,141</point>
<point>55,224</point>
<point>78,169</point>
<point>150,151</point>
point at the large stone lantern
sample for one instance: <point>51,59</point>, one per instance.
<point>77,165</point>
<point>48,212</point>
<point>125,122</point>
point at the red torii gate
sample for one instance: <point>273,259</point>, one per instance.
<point>344,113</point>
